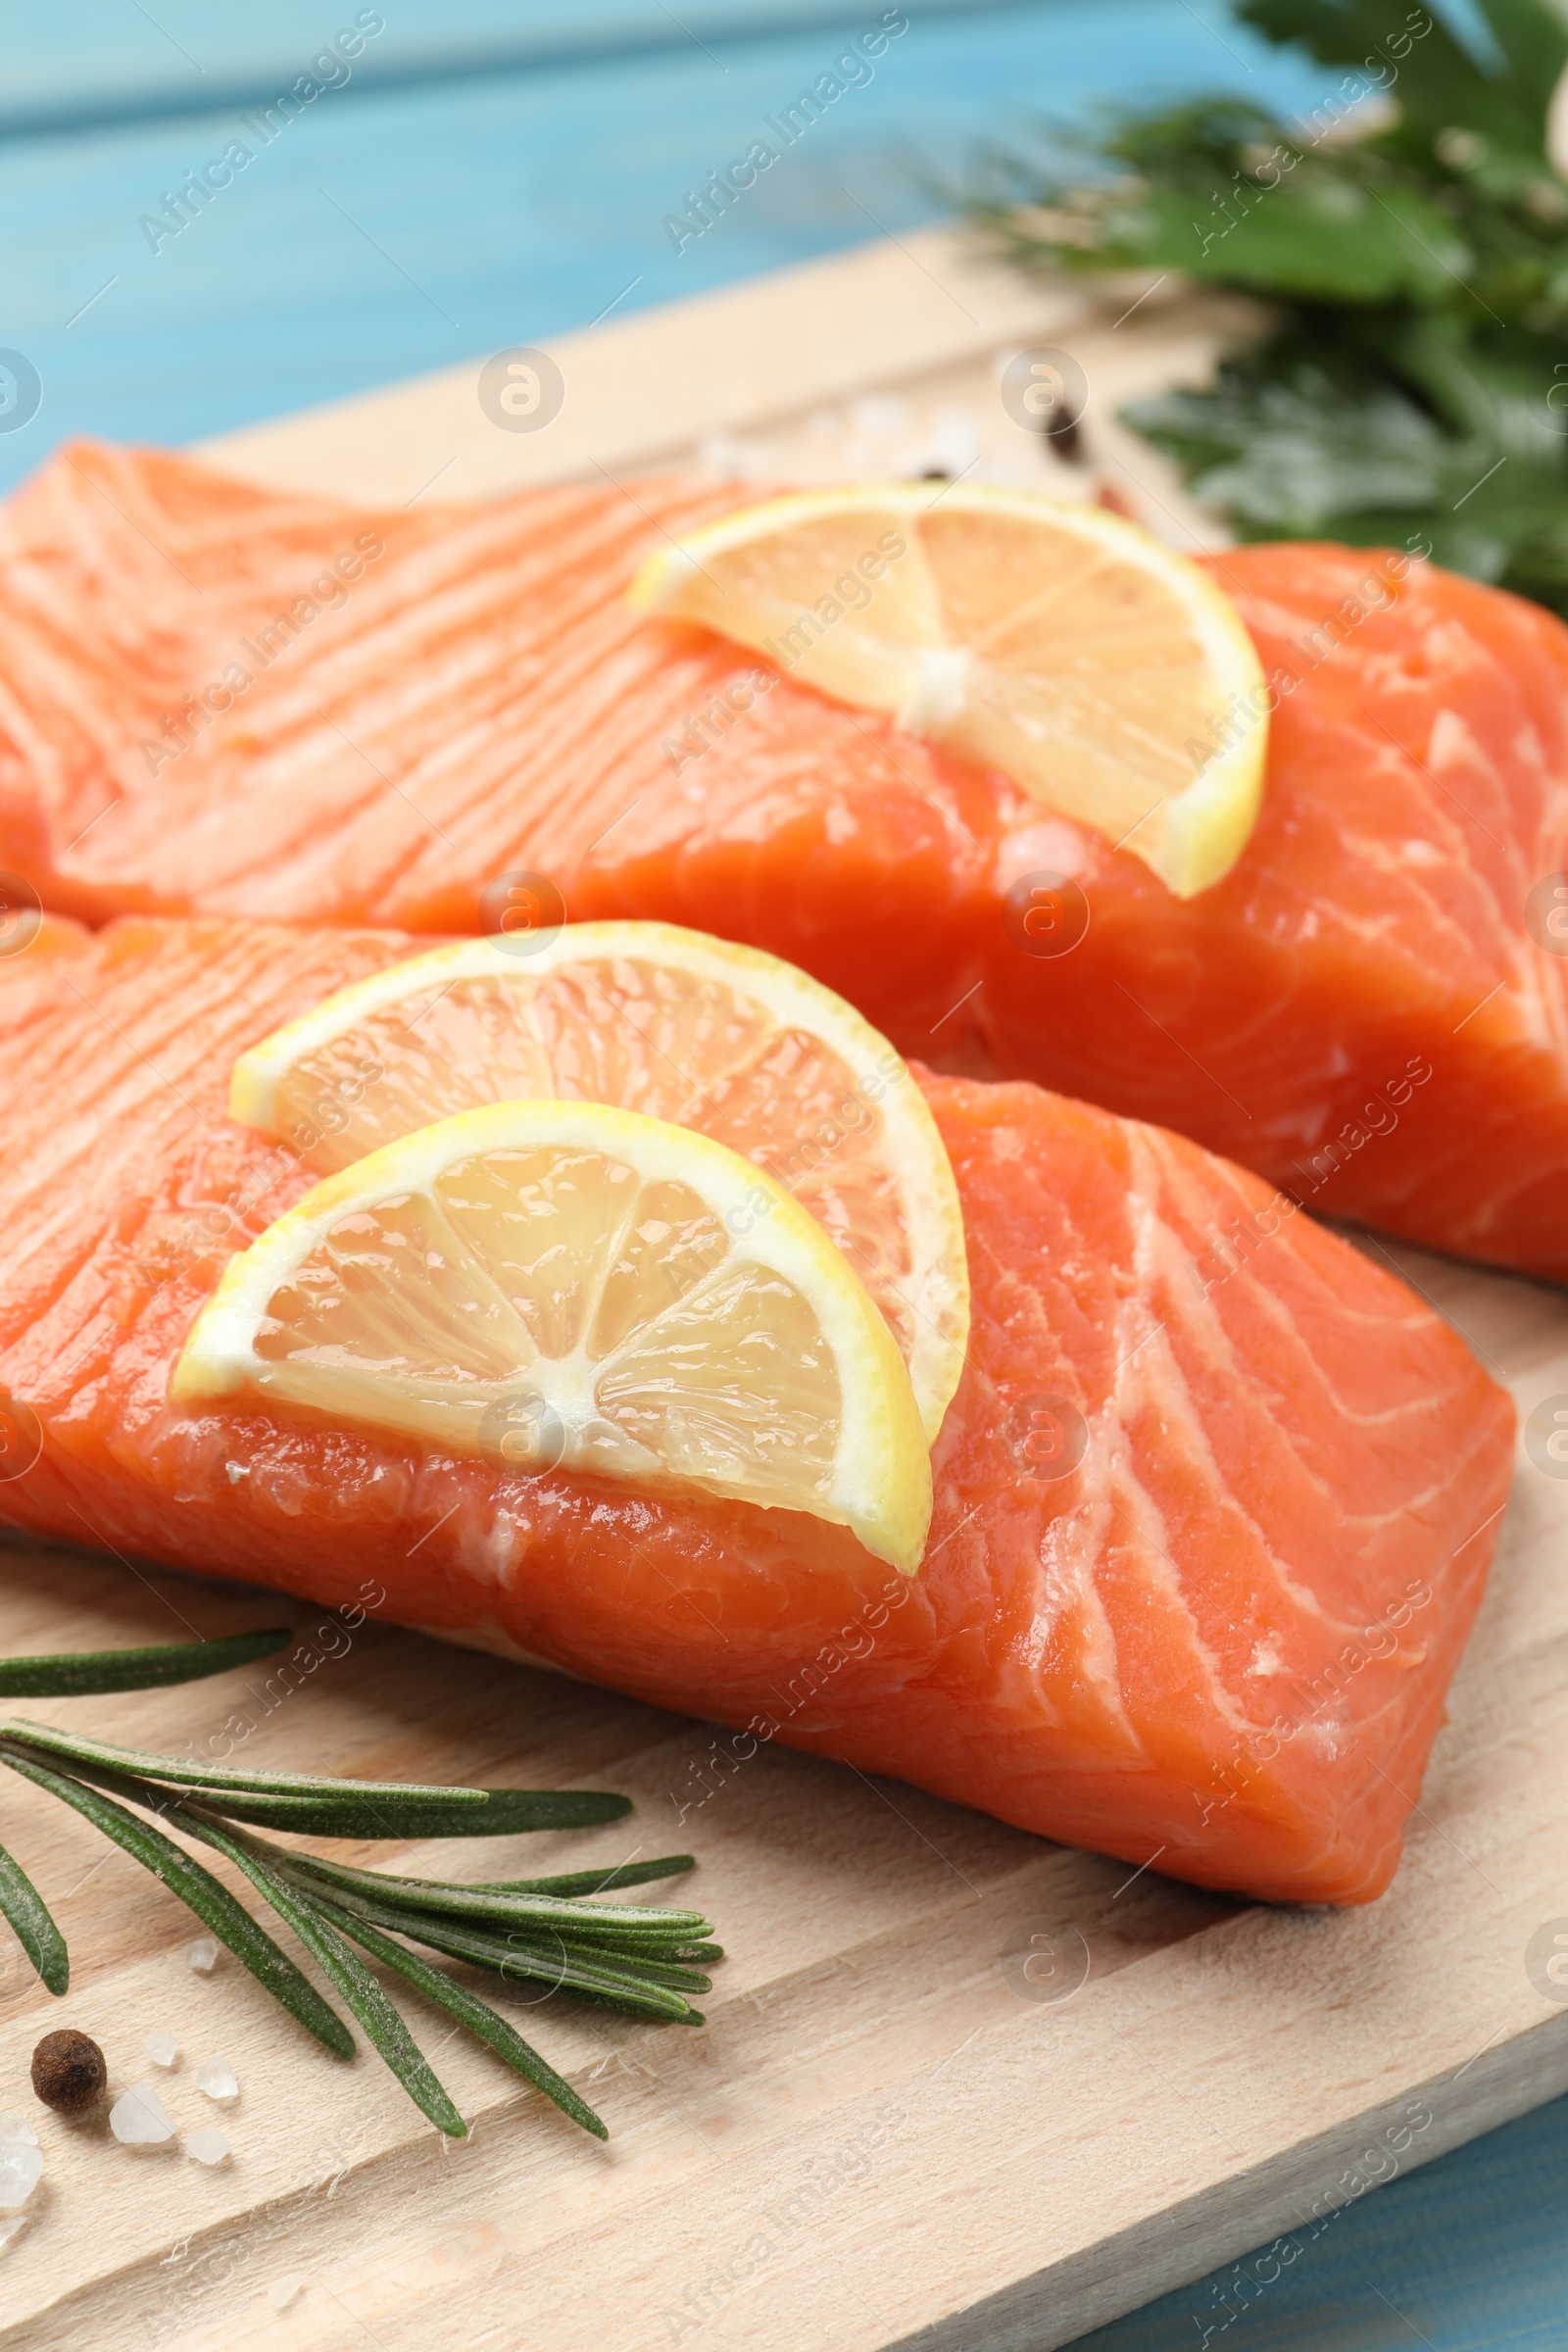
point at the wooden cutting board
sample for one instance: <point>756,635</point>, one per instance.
<point>958,2088</point>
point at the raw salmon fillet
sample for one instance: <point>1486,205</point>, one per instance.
<point>201,712</point>
<point>1206,1543</point>
<point>1372,1006</point>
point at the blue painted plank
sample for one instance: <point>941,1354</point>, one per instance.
<point>1468,2254</point>
<point>384,233</point>
<point>93,61</point>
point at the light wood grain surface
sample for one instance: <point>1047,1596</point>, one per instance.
<point>883,358</point>
<point>883,2137</point>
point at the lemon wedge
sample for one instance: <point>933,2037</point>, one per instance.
<point>726,1040</point>
<point>1102,671</point>
<point>571,1285</point>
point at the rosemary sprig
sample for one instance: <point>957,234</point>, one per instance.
<point>639,1959</point>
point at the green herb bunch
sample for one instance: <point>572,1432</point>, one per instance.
<point>1412,238</point>
<point>641,1960</point>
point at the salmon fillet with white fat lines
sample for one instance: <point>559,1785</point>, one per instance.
<point>1207,1543</point>
<point>219,699</point>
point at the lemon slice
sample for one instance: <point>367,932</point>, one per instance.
<point>723,1039</point>
<point>565,1283</point>
<point>1103,672</point>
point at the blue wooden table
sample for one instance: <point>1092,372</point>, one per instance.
<point>479,173</point>
<point>456,177</point>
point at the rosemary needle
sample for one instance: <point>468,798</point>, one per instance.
<point>370,1813</point>
<point>500,1906</point>
<point>594,1882</point>
<point>182,1773</point>
<point>547,1961</point>
<point>468,2008</point>
<point>34,1929</point>
<point>77,1674</point>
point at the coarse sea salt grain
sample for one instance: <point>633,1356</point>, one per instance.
<point>139,2118</point>
<point>283,2292</point>
<point>162,2048</point>
<point>21,2165</point>
<point>20,2171</point>
<point>217,2078</point>
<point>10,2224</point>
<point>202,1955</point>
<point>209,2145</point>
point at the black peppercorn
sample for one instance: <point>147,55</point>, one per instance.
<point>68,2071</point>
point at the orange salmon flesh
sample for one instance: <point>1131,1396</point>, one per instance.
<point>217,700</point>
<point>1209,1533</point>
